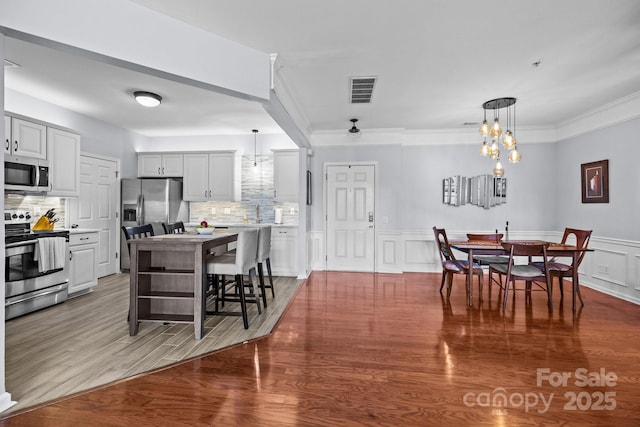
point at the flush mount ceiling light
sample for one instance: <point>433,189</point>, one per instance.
<point>148,99</point>
<point>354,128</point>
<point>508,139</point>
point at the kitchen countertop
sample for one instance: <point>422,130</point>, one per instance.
<point>79,230</point>
<point>239,224</point>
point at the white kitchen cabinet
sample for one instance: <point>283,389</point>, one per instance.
<point>286,176</point>
<point>284,253</point>
<point>83,262</point>
<point>7,135</point>
<point>155,165</point>
<point>28,139</point>
<point>63,153</point>
<point>209,176</point>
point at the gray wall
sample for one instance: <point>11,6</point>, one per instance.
<point>620,144</point>
<point>410,186</point>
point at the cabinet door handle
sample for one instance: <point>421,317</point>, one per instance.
<point>15,146</point>
<point>209,193</point>
<point>8,145</point>
<point>159,171</point>
<point>205,193</point>
<point>162,171</point>
<point>70,255</point>
<point>84,238</point>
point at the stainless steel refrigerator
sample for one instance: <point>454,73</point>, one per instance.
<point>150,201</point>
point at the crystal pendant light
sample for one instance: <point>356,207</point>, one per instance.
<point>507,138</point>
<point>484,150</point>
<point>514,155</point>
<point>498,170</point>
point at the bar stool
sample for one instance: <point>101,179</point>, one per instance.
<point>238,264</point>
<point>264,250</point>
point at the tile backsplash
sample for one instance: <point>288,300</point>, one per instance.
<point>35,204</point>
<point>256,190</point>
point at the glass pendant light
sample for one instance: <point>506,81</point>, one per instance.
<point>494,150</point>
<point>484,150</point>
<point>496,130</point>
<point>484,129</point>
<point>514,155</point>
<point>498,170</point>
<point>508,141</point>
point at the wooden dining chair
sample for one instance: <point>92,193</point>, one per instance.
<point>486,260</point>
<point>451,265</point>
<point>561,270</point>
<point>174,228</point>
<point>524,272</point>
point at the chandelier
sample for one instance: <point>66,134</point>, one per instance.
<point>507,138</point>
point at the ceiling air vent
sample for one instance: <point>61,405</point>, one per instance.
<point>362,89</point>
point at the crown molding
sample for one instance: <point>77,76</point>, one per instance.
<point>619,111</point>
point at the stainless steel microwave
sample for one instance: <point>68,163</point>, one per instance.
<point>26,174</point>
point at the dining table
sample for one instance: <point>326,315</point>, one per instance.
<point>168,277</point>
<point>473,248</point>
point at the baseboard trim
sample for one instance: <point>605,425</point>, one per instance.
<point>6,402</point>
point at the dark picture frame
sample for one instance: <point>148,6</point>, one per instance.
<point>309,189</point>
<point>595,182</point>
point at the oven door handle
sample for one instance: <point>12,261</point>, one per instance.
<point>16,244</point>
<point>36,295</point>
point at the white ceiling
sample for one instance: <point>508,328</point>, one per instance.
<point>436,61</point>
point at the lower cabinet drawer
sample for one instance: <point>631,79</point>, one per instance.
<point>82,238</point>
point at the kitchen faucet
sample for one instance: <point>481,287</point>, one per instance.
<point>258,220</point>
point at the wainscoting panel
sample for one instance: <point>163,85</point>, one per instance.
<point>316,253</point>
<point>613,268</point>
<point>389,252</point>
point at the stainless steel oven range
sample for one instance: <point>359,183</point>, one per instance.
<point>36,268</point>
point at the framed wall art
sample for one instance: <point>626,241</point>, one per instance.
<point>595,182</point>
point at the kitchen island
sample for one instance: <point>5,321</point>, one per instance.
<point>167,278</point>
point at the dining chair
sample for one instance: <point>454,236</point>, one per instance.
<point>173,228</point>
<point>137,232</point>
<point>451,265</point>
<point>524,272</point>
<point>561,270</point>
<point>239,263</point>
<point>486,260</point>
<point>264,257</point>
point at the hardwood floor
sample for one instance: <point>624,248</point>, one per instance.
<point>375,349</point>
<point>85,342</point>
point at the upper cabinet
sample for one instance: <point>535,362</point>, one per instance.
<point>209,176</point>
<point>63,153</point>
<point>7,135</point>
<point>27,138</point>
<point>166,165</point>
<point>286,176</point>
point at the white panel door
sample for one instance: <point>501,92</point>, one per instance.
<point>95,208</point>
<point>350,217</point>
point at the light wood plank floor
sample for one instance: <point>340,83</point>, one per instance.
<point>356,349</point>
<point>85,341</point>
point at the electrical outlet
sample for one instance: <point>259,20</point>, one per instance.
<point>292,211</point>
<point>213,211</point>
<point>227,211</point>
<point>385,219</point>
<point>603,268</point>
